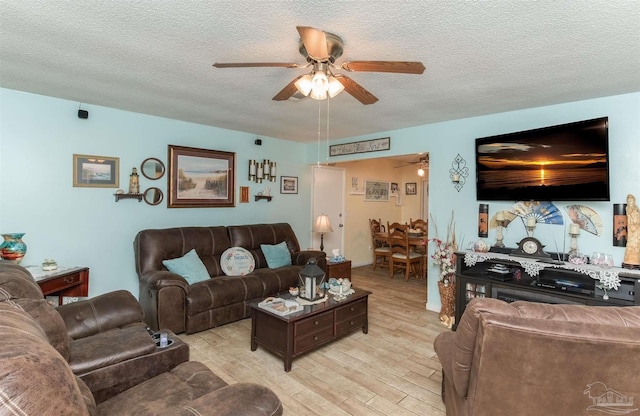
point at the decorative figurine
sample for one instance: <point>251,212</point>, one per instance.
<point>134,182</point>
<point>632,252</point>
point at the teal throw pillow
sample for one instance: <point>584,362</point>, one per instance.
<point>188,266</point>
<point>277,256</point>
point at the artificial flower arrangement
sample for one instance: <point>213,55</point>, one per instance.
<point>444,255</point>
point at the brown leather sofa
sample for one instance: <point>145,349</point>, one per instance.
<point>104,339</point>
<point>170,302</point>
<point>528,358</point>
<point>35,379</point>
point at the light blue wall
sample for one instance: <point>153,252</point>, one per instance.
<point>85,226</point>
<point>445,140</point>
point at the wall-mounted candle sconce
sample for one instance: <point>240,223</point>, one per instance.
<point>259,171</point>
<point>252,170</point>
<point>459,172</point>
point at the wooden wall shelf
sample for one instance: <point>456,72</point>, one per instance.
<point>259,197</point>
<point>128,196</point>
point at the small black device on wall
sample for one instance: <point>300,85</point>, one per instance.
<point>83,114</point>
<point>258,142</point>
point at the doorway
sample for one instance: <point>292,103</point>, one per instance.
<point>424,209</point>
<point>328,198</point>
<point>411,201</point>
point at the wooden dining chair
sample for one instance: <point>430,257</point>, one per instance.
<point>381,251</point>
<point>402,258</point>
<point>422,226</point>
<point>419,224</point>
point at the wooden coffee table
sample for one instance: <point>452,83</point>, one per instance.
<point>293,335</point>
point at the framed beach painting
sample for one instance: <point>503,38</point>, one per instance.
<point>200,178</point>
<point>95,171</point>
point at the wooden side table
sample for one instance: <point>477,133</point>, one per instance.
<point>339,270</point>
<point>65,281</point>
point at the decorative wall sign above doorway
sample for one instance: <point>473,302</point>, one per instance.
<point>364,146</point>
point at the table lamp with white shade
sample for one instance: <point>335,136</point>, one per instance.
<point>322,225</point>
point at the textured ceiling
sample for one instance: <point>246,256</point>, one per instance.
<point>155,57</point>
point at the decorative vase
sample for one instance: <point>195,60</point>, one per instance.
<point>447,300</point>
<point>13,248</point>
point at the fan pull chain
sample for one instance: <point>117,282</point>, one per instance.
<point>318,159</point>
<point>327,158</point>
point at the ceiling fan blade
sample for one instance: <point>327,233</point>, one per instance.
<point>398,67</point>
<point>356,90</point>
<point>256,64</point>
<point>314,41</point>
<point>287,91</point>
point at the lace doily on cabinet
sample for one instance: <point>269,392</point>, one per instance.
<point>608,278</point>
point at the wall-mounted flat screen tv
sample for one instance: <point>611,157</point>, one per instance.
<point>569,162</point>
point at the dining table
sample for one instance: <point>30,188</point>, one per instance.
<point>419,241</point>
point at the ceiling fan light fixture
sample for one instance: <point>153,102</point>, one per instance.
<point>320,81</point>
<point>304,84</point>
<point>335,86</point>
<point>318,94</point>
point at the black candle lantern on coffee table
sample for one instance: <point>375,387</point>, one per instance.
<point>311,276</point>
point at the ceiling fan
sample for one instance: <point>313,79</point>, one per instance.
<point>321,49</point>
<point>423,161</point>
<point>423,165</point>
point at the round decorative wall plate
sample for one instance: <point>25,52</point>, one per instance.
<point>237,261</point>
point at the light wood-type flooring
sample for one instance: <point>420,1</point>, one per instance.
<point>392,370</point>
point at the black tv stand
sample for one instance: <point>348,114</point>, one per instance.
<point>503,250</point>
<point>547,282</point>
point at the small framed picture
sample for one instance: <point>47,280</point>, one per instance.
<point>288,184</point>
<point>394,188</point>
<point>244,194</point>
<point>96,171</point>
<point>410,188</point>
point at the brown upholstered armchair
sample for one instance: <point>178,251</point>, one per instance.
<point>35,379</point>
<point>103,339</point>
<point>528,358</point>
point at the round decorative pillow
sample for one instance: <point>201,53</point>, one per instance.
<point>237,261</point>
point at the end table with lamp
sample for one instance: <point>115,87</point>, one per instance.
<point>337,270</point>
<point>322,225</point>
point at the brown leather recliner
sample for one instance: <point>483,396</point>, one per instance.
<point>170,302</point>
<point>528,358</point>
<point>104,339</point>
<point>35,379</point>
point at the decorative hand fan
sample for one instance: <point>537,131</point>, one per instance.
<point>586,218</point>
<point>543,211</point>
<point>508,217</point>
